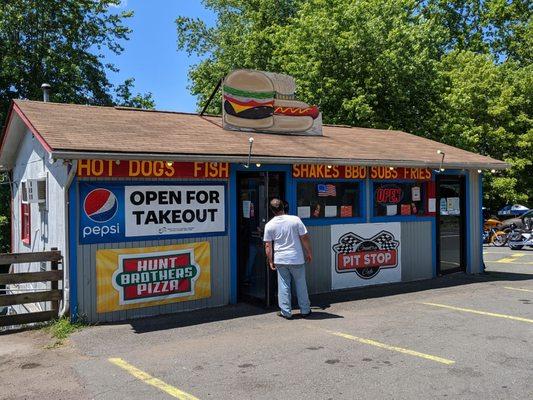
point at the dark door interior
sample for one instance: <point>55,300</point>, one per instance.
<point>257,283</point>
<point>451,220</point>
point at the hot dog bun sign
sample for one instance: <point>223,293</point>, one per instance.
<point>265,102</point>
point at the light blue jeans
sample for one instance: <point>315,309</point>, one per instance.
<point>285,274</point>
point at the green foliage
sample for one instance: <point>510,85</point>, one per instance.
<point>125,97</point>
<point>500,27</point>
<point>62,328</point>
<point>242,38</point>
<point>60,43</point>
<point>456,71</point>
<point>365,63</point>
<point>487,109</point>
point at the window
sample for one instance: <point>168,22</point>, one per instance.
<point>25,223</point>
<point>328,199</point>
<point>399,199</point>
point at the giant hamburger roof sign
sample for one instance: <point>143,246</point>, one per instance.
<point>265,102</point>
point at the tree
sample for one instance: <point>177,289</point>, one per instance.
<point>457,71</point>
<point>125,97</point>
<point>366,63</point>
<point>60,42</point>
<point>244,37</point>
<point>503,28</point>
<point>487,108</point>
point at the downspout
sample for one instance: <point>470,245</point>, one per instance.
<point>66,257</point>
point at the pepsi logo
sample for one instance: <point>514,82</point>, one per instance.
<point>100,205</point>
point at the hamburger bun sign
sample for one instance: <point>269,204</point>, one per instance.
<point>265,102</point>
<point>365,254</point>
<point>152,276</point>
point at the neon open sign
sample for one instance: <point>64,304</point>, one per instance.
<point>389,194</point>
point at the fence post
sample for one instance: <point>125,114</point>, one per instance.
<point>54,266</point>
<point>4,269</point>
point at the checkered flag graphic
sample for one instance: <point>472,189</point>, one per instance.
<point>385,241</point>
<point>347,243</point>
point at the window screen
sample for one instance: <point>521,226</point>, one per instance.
<point>328,199</point>
<point>402,199</point>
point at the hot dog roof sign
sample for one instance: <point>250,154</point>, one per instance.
<point>265,102</point>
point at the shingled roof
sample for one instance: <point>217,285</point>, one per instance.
<point>77,131</point>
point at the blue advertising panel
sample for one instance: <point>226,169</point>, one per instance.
<point>101,213</point>
<point>124,211</point>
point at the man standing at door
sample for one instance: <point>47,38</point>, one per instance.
<point>286,241</point>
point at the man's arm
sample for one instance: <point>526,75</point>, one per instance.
<point>268,251</point>
<point>306,244</point>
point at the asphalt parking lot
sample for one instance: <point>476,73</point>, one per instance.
<point>455,337</point>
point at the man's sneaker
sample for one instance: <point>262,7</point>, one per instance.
<point>280,314</point>
<point>306,315</point>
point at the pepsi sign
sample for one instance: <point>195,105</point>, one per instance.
<point>100,205</point>
<point>117,212</point>
<point>101,213</point>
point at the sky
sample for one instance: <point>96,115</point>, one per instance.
<point>151,56</point>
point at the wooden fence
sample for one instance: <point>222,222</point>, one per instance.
<point>54,294</point>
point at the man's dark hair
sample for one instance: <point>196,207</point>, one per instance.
<point>277,206</point>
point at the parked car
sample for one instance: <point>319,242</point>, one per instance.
<point>520,222</point>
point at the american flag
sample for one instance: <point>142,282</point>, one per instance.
<point>326,190</point>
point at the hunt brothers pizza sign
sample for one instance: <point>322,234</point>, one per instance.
<point>148,277</point>
<point>365,254</point>
<point>152,276</point>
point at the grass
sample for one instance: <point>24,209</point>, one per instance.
<point>61,329</point>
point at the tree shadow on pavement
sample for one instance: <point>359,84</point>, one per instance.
<point>319,302</point>
<point>190,318</point>
<point>324,301</point>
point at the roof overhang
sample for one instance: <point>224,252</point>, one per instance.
<point>16,127</point>
<point>74,155</point>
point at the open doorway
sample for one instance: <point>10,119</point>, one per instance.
<point>451,224</point>
<point>256,282</point>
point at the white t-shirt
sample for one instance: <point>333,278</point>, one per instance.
<point>285,230</point>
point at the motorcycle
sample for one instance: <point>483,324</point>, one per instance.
<point>495,237</point>
<point>518,238</point>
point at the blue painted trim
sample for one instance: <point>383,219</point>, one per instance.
<point>434,245</point>
<point>290,193</point>
<point>480,184</point>
<point>333,221</point>
<point>234,257</point>
<point>468,195</point>
<point>468,216</point>
<point>158,238</point>
<point>72,244</point>
<point>262,168</point>
<point>405,218</point>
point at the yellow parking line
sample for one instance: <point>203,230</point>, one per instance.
<point>489,314</point>
<point>515,288</point>
<point>393,348</point>
<point>510,259</point>
<point>504,261</point>
<point>150,380</point>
